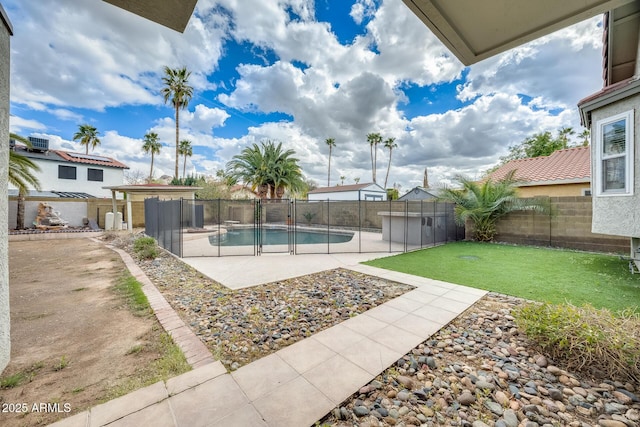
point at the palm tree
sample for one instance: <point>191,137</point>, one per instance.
<point>21,175</point>
<point>151,145</point>
<point>331,142</point>
<point>185,150</point>
<point>374,139</point>
<point>178,91</point>
<point>390,144</point>
<point>267,168</point>
<point>88,136</point>
<point>485,203</point>
<point>342,178</point>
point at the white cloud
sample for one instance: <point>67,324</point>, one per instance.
<point>18,124</point>
<point>94,55</point>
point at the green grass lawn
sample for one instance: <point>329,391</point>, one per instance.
<point>540,274</point>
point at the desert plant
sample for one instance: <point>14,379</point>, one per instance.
<point>585,339</point>
<point>484,203</point>
<point>309,217</point>
<point>145,248</point>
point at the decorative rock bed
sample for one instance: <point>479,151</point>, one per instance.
<point>478,371</point>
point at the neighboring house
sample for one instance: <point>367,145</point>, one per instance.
<point>367,192</point>
<point>473,31</point>
<point>563,173</point>
<point>420,193</point>
<point>69,172</point>
<point>242,192</point>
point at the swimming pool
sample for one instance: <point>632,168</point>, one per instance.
<point>278,236</point>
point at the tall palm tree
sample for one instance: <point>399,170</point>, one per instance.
<point>374,139</point>
<point>178,91</point>
<point>88,136</point>
<point>485,203</point>
<point>390,144</point>
<point>185,150</point>
<point>151,145</point>
<point>267,168</point>
<point>331,142</point>
<point>21,175</point>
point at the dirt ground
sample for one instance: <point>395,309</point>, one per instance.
<point>70,333</point>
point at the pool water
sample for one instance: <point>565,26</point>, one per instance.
<point>278,236</point>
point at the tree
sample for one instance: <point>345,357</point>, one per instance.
<point>177,90</point>
<point>151,145</point>
<point>342,178</point>
<point>390,144</point>
<point>21,175</point>
<point>374,139</point>
<point>185,150</point>
<point>484,203</point>
<point>331,142</point>
<point>267,168</point>
<point>88,136</point>
<point>542,144</point>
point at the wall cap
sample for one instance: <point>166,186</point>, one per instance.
<point>5,20</point>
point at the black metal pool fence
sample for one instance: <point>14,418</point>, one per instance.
<point>190,228</point>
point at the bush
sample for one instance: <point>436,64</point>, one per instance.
<point>585,339</point>
<point>145,248</point>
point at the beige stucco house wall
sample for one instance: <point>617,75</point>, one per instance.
<point>5,325</point>
<point>618,214</point>
<point>555,190</point>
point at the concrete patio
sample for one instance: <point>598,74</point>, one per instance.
<point>299,384</point>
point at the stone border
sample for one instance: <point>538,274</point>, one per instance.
<point>195,351</point>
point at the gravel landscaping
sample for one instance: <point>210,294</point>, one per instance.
<point>478,371</point>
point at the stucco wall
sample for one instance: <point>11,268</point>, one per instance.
<point>560,190</point>
<point>49,181</point>
<point>71,210</point>
<point>5,328</point>
<point>618,215</point>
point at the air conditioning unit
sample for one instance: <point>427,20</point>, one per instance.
<point>39,144</point>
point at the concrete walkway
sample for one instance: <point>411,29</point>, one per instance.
<point>299,384</point>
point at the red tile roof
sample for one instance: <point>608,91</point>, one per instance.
<point>89,159</point>
<point>570,165</point>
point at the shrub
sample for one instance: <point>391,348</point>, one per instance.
<point>585,339</point>
<point>145,247</point>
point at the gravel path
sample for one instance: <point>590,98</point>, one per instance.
<point>478,371</point>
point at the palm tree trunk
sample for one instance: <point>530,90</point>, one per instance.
<point>177,136</point>
<point>375,161</point>
<point>151,171</point>
<point>386,178</point>
<point>184,167</point>
<point>20,211</point>
<point>329,173</point>
<point>373,175</point>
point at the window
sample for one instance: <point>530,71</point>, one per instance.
<point>614,145</point>
<point>66,172</point>
<point>95,174</point>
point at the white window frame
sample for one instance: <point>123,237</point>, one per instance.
<point>628,116</point>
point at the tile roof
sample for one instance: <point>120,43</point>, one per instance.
<point>570,165</point>
<point>90,159</point>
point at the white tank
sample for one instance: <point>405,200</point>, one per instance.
<point>117,225</point>
<point>108,221</point>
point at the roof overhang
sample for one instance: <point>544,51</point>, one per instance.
<point>477,29</point>
<point>174,14</point>
<point>606,96</point>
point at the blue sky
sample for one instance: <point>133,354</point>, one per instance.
<point>295,71</point>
